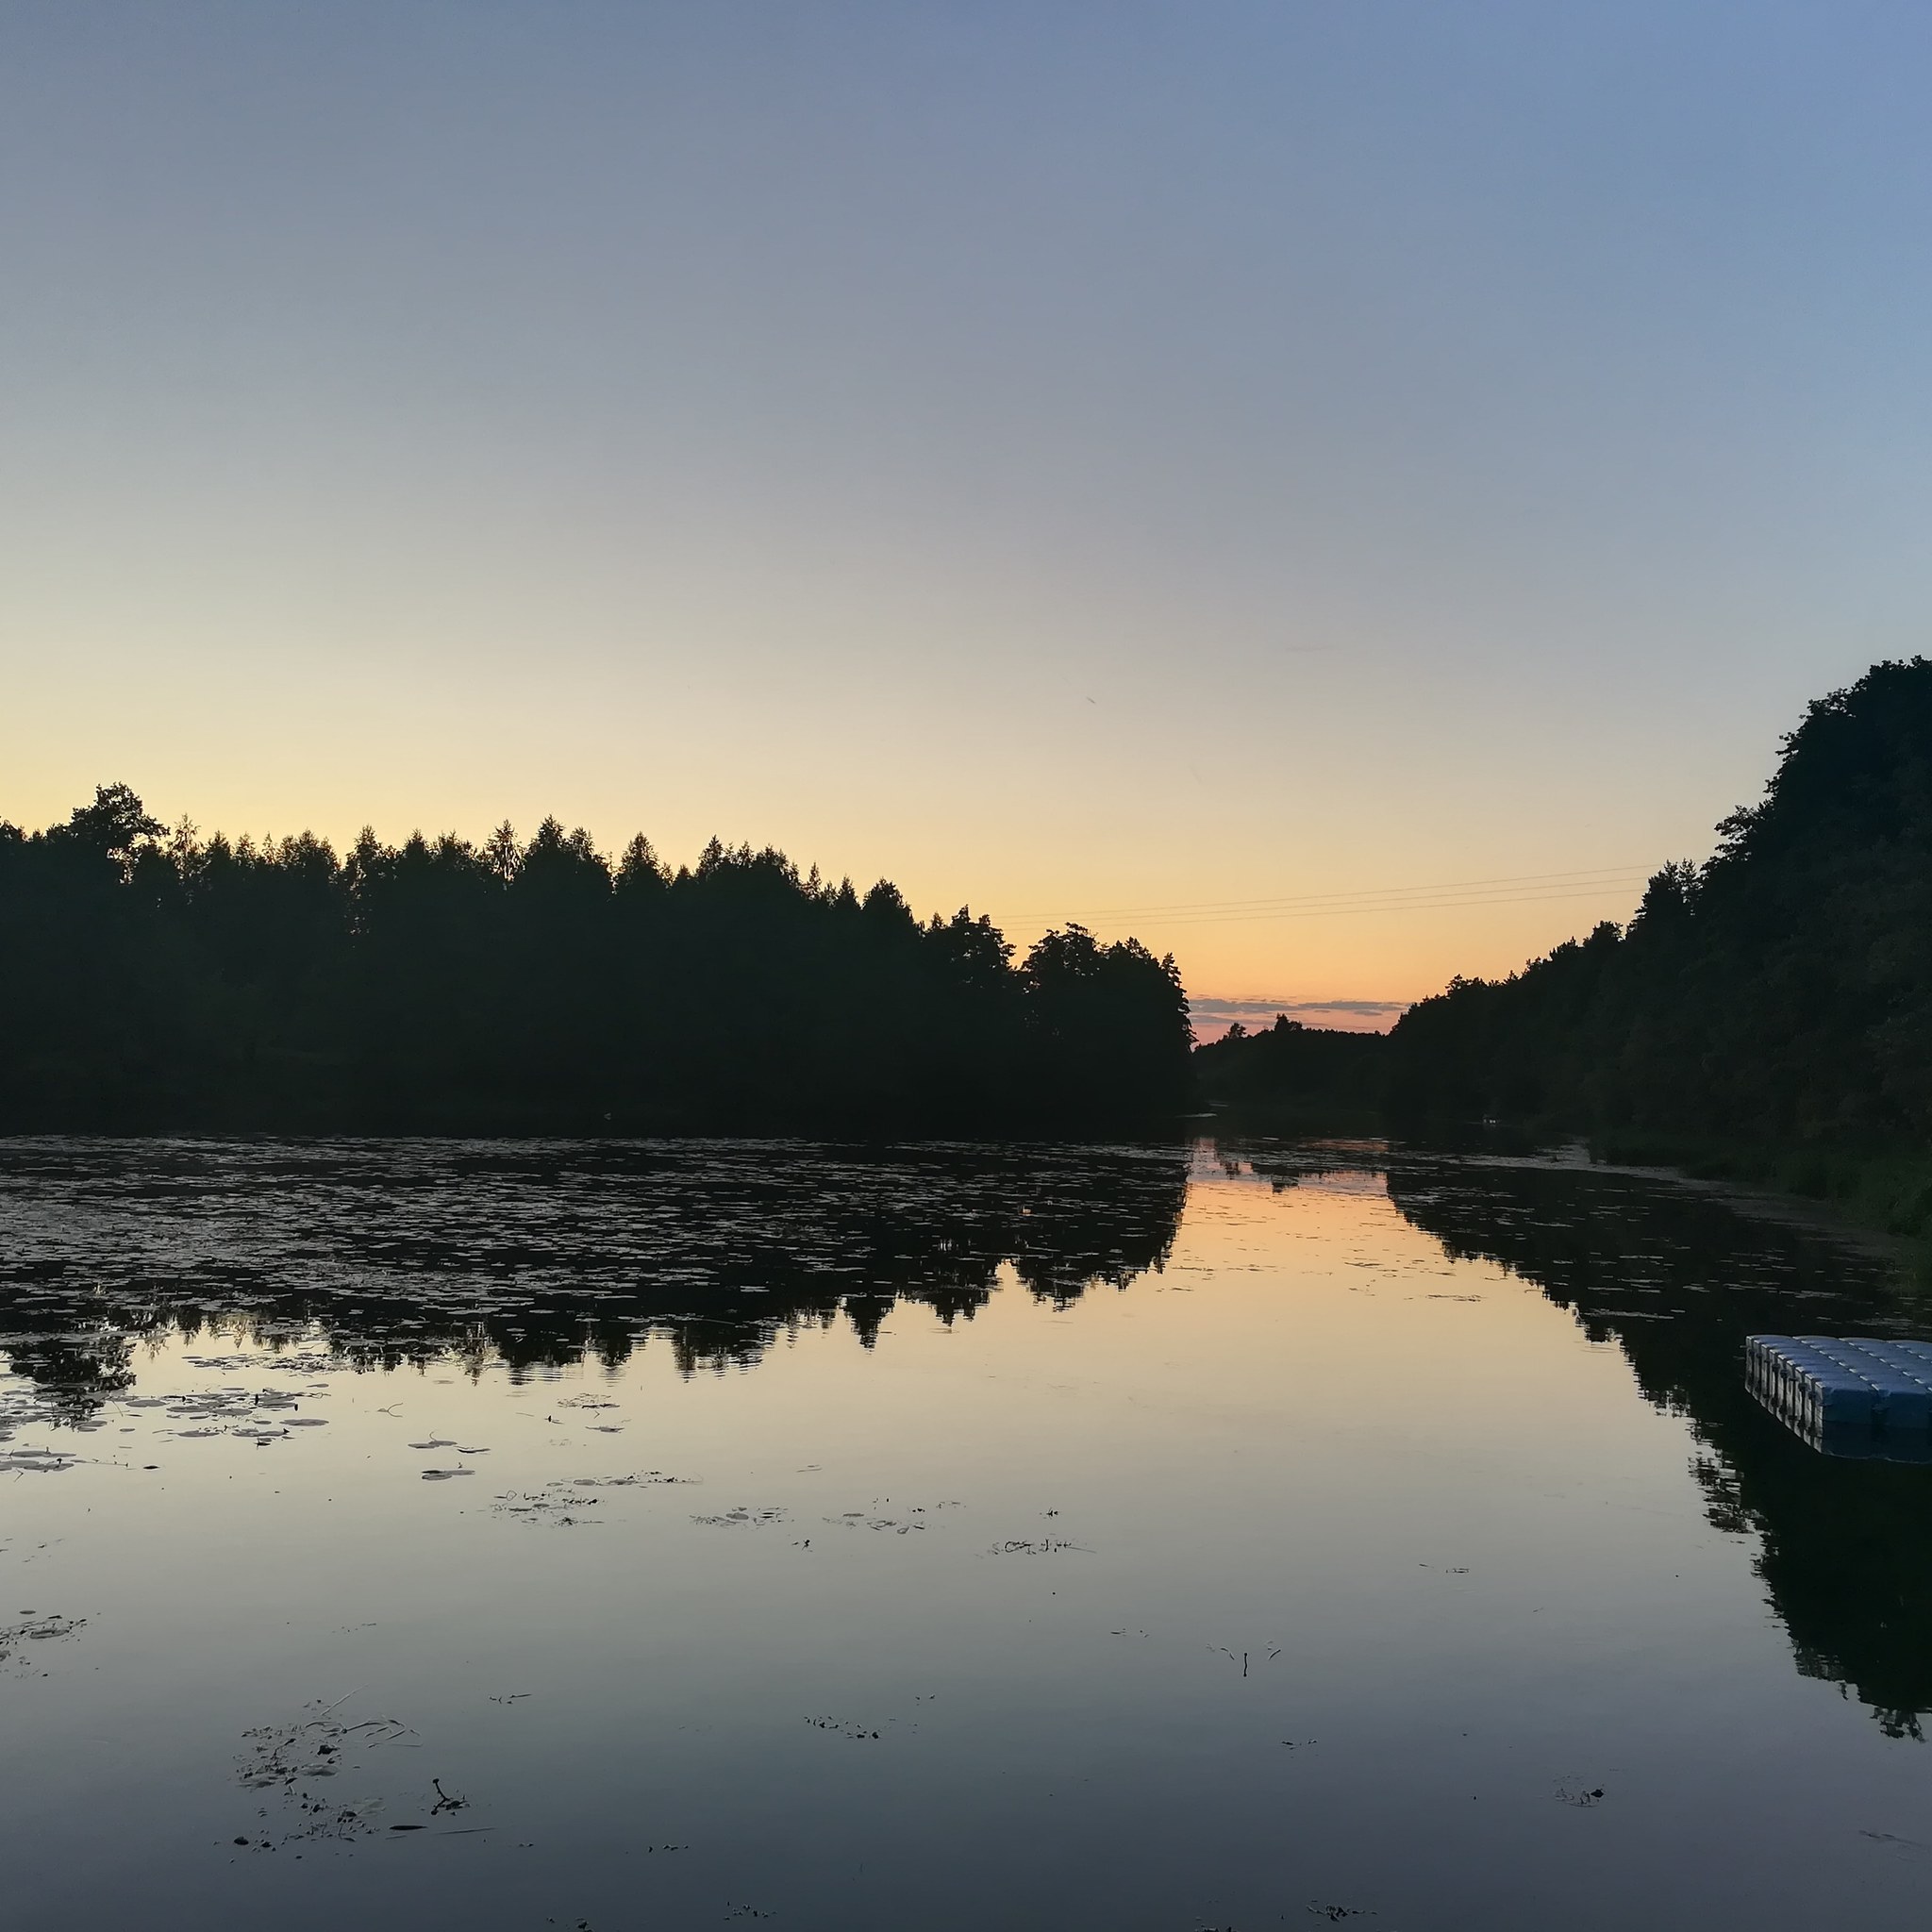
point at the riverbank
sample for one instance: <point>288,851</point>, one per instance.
<point>1885,1190</point>
<point>1882,1192</point>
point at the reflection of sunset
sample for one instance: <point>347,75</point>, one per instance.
<point>854,1510</point>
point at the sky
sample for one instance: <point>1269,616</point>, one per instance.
<point>1339,491</point>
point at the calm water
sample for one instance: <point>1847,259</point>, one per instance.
<point>514,1535</point>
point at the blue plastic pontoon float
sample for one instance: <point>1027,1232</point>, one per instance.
<point>1834,1390</point>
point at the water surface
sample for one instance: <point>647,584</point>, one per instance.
<point>402,1534</point>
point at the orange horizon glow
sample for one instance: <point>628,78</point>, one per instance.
<point>1084,466</point>
<point>1357,947</point>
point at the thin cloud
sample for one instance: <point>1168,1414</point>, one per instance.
<point>1213,1017</point>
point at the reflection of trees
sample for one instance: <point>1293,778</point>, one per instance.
<point>544,1254</point>
<point>1845,1546</point>
<point>76,1372</point>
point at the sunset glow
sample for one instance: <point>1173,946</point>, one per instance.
<point>1068,464</point>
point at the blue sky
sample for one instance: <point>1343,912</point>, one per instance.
<point>1112,460</point>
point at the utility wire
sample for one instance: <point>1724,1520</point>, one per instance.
<point>1157,923</point>
<point>1523,889</point>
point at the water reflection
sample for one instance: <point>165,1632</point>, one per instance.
<point>544,1254</point>
<point>1144,1537</point>
<point>547,1254</point>
<point>1678,1279</point>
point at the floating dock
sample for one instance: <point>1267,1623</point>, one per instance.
<point>1835,1390</point>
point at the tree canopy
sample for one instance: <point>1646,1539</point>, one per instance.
<point>1781,991</point>
<point>151,979</point>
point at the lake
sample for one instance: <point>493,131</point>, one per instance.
<point>610,1536</point>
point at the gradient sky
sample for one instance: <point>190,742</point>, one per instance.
<point>1106,460</point>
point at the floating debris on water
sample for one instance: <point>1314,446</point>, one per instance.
<point>35,1629</point>
<point>1575,1791</point>
<point>843,1728</point>
<point>560,1499</point>
<point>292,1760</point>
<point>855,1519</point>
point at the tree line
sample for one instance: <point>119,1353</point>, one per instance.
<point>152,980</point>
<point>1780,991</point>
<point>1293,1075</point>
<point>1780,994</point>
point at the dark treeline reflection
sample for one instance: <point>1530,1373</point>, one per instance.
<point>538,1252</point>
<point>1677,1280</point>
<point>379,1255</point>
<point>154,981</point>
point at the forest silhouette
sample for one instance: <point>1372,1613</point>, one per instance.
<point>1295,1074</point>
<point>1779,995</point>
<point>150,980</point>
<point>1780,991</point>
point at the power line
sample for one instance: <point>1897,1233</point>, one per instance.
<point>1516,889</point>
<point>1154,923</point>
